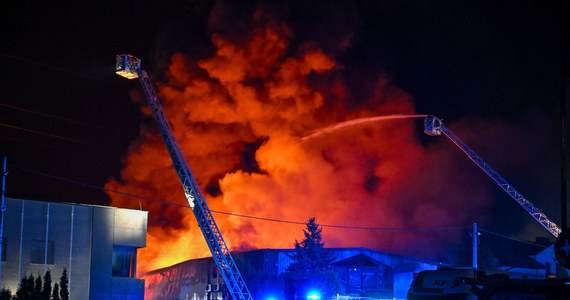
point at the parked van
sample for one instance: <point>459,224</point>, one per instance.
<point>469,284</point>
<point>443,284</point>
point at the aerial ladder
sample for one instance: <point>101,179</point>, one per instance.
<point>434,126</point>
<point>129,67</point>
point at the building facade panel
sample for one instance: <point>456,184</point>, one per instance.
<point>81,222</point>
<point>12,233</point>
<point>103,220</point>
<point>130,228</point>
<point>33,233</point>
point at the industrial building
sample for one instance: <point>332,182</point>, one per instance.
<point>97,245</point>
<point>364,272</point>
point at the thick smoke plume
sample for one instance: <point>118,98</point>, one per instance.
<point>241,115</point>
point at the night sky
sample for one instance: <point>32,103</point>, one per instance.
<point>66,120</point>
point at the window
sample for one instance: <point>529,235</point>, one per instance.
<point>4,247</point>
<point>368,280</point>
<point>124,261</point>
<point>39,252</point>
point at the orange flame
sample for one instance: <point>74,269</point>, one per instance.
<point>240,116</point>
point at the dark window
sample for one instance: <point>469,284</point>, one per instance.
<point>39,252</point>
<point>124,261</point>
<point>366,281</point>
<point>4,248</point>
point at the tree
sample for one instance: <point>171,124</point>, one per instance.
<point>63,285</point>
<point>312,265</point>
<point>34,289</point>
<point>26,289</point>
<point>46,291</point>
<point>310,254</point>
<point>5,294</point>
<point>38,285</point>
<point>55,292</point>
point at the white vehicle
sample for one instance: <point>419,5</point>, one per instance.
<point>468,284</point>
<point>443,284</point>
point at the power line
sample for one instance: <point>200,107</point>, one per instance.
<point>92,186</point>
<point>53,136</point>
<point>149,199</point>
<point>30,143</point>
<point>47,115</point>
<point>96,187</point>
<point>29,61</point>
<point>513,239</point>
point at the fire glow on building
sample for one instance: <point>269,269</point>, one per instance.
<point>250,119</point>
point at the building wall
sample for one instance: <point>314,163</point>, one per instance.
<point>187,280</point>
<point>83,237</point>
<point>115,227</point>
<point>261,270</point>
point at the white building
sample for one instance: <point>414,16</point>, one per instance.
<point>97,245</point>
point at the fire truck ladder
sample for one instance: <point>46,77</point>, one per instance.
<point>129,66</point>
<point>434,126</point>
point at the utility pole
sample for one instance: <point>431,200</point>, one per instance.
<point>2,210</point>
<point>475,242</point>
<point>565,83</point>
<point>563,203</point>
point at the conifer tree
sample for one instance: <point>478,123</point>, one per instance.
<point>38,285</point>
<point>312,264</point>
<point>5,294</point>
<point>46,291</point>
<point>55,292</point>
<point>310,254</point>
<point>63,285</point>
<point>26,289</point>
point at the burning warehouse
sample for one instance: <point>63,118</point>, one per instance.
<point>254,122</point>
<point>285,110</point>
<point>275,131</point>
<point>364,273</point>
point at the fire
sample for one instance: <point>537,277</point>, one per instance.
<point>240,117</point>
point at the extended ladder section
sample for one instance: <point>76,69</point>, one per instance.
<point>434,126</point>
<point>129,66</point>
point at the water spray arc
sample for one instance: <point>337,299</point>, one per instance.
<point>350,123</point>
<point>129,67</point>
